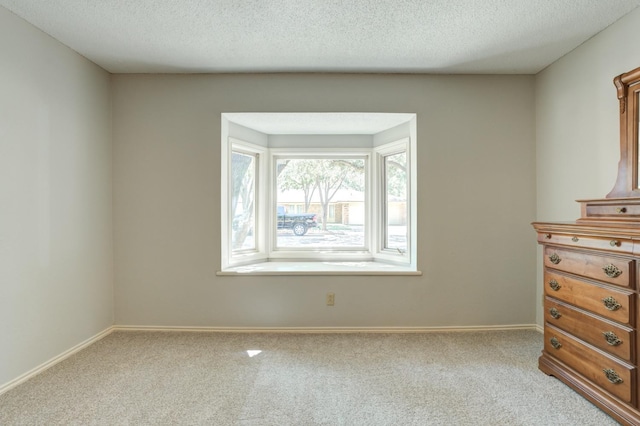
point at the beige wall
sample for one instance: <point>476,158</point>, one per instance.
<point>577,130</point>
<point>476,168</point>
<point>56,269</point>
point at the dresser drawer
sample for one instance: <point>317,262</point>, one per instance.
<point>613,270</point>
<point>621,211</point>
<point>608,302</point>
<point>617,377</point>
<point>617,245</point>
<point>610,337</point>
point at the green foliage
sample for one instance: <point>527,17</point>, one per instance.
<point>396,175</point>
<point>324,175</point>
<point>242,194</point>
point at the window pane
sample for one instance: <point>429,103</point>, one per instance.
<point>243,197</point>
<point>396,215</point>
<point>320,203</point>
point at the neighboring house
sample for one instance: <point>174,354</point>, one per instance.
<point>346,207</point>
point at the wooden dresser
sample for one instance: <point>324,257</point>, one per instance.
<point>591,313</point>
<point>591,283</point>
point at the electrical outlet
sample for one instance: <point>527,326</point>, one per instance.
<point>331,299</point>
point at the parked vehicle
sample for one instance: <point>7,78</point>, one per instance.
<point>299,223</point>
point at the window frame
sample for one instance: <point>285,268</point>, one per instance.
<point>382,152</point>
<point>320,253</point>
<point>266,201</point>
<point>247,256</point>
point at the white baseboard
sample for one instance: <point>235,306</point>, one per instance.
<point>53,361</point>
<point>540,328</point>
<point>326,329</point>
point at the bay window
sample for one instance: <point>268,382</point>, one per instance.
<point>295,200</point>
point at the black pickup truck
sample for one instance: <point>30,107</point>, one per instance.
<point>298,222</point>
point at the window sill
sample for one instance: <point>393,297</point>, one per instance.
<point>319,268</point>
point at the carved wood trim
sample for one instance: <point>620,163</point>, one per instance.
<point>626,182</point>
<point>632,76</point>
<point>622,93</point>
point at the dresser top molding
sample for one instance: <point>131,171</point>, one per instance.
<point>624,230</point>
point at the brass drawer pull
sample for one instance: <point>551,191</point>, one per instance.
<point>612,376</point>
<point>612,271</point>
<point>554,285</point>
<point>614,243</point>
<point>611,304</point>
<point>621,210</point>
<point>555,313</point>
<point>555,343</point>
<point>554,258</point>
<point>611,338</point>
<point>575,239</point>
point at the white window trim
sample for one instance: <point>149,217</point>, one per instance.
<point>267,260</point>
<point>383,253</point>
<point>260,253</point>
<point>320,268</point>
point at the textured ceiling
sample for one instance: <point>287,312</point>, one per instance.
<point>417,36</point>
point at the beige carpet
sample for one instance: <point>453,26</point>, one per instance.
<point>167,378</point>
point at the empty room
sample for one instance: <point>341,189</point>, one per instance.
<point>226,212</point>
